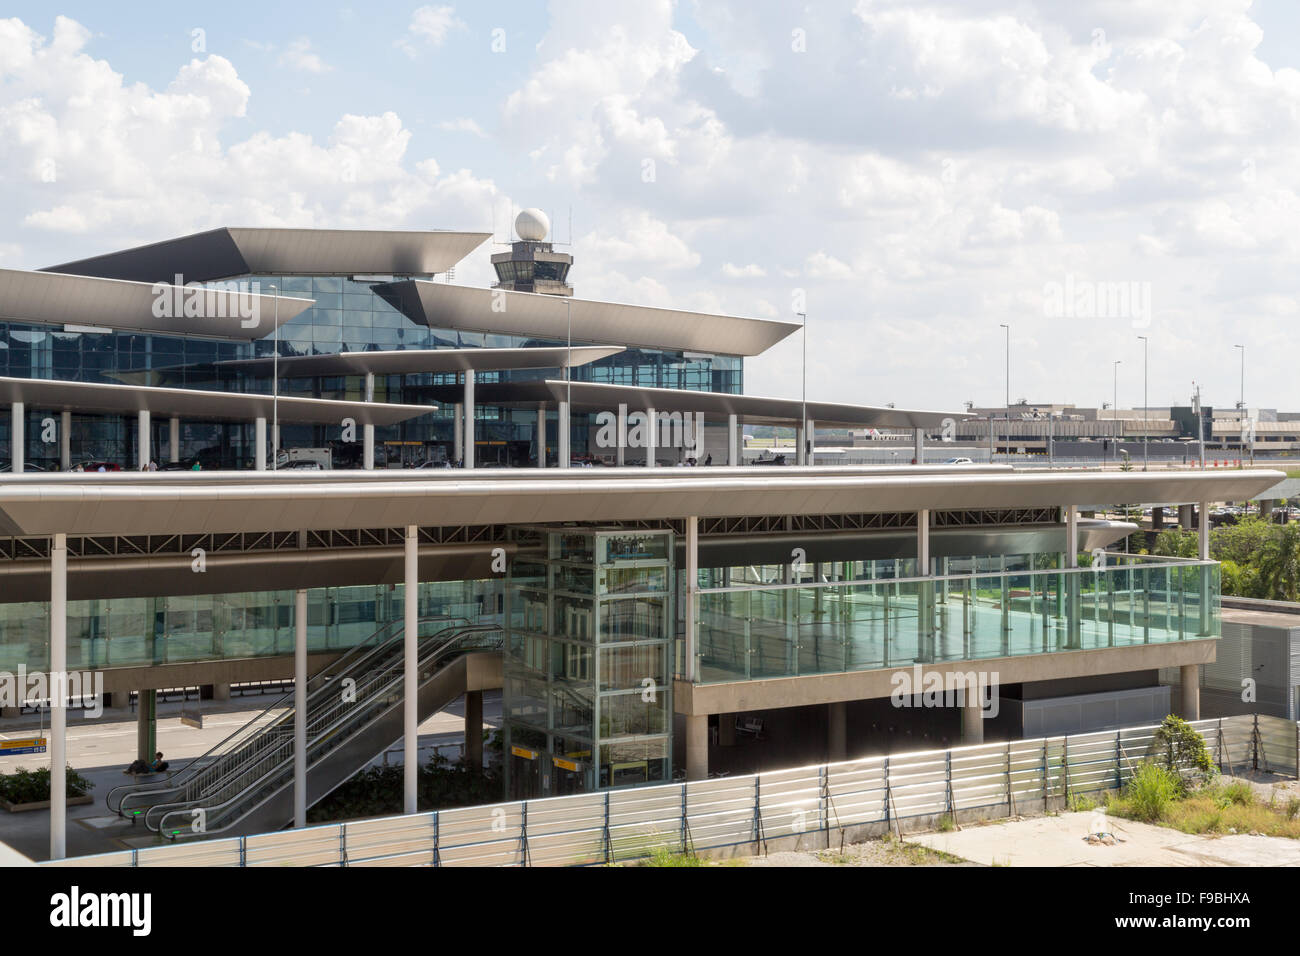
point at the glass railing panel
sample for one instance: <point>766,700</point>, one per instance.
<point>756,632</point>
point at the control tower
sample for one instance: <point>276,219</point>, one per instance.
<point>532,265</point>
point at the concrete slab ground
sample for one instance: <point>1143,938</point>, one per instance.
<point>1060,841</point>
<point>101,749</point>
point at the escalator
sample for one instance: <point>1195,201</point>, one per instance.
<point>354,713</point>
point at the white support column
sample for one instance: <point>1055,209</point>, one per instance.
<point>800,446</point>
<point>259,444</point>
<point>1190,678</point>
<point>562,436</point>
<point>621,454</point>
<point>1071,536</point>
<point>651,437</point>
<point>733,440</point>
<point>18,438</point>
<point>469,418</point>
<point>143,442</point>
<point>300,708</point>
<point>697,746</point>
<point>692,596</point>
<point>1203,531</point>
<point>65,441</point>
<point>173,439</point>
<point>411,681</point>
<point>925,590</point>
<point>919,446</point>
<point>458,429</point>
<point>923,543</point>
<point>541,435</point>
<point>58,697</point>
<point>810,442</point>
<point>368,431</point>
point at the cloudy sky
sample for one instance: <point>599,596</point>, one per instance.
<point>915,173</point>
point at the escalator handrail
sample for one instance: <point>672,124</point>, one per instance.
<point>327,734</point>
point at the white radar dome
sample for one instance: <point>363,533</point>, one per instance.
<point>532,225</point>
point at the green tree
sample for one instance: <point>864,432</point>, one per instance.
<point>1175,543</point>
<point>1278,563</point>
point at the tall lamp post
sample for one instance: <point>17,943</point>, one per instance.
<point>1146,426</point>
<point>1241,404</point>
<point>1114,403</point>
<point>803,422</point>
<point>1007,414</point>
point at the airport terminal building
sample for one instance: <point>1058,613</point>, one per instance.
<point>642,621</point>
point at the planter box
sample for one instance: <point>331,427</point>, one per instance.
<point>44,804</point>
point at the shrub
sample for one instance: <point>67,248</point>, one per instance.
<point>1151,791</point>
<point>1180,750</point>
<point>33,786</point>
<point>1238,792</point>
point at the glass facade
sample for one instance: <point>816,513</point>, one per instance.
<point>588,630</point>
<point>348,317</point>
<point>867,615</point>
<point>131,632</point>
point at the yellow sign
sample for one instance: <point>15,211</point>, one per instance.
<point>526,754</point>
<point>565,764</point>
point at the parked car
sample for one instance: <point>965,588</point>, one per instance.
<point>27,466</point>
<point>959,461</point>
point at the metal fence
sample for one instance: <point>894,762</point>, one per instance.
<point>982,781</point>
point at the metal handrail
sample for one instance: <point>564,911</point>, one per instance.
<point>254,753</point>
<point>326,731</point>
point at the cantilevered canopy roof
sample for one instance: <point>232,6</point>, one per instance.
<point>410,361</point>
<point>443,306</point>
<point>170,502</point>
<point>189,403</point>
<point>45,298</point>
<point>236,251</point>
<point>750,409</point>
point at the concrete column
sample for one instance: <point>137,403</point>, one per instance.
<point>1191,681</point>
<point>146,724</point>
<point>651,437</point>
<point>810,442</point>
<point>837,731</point>
<point>458,429</point>
<point>541,435</point>
<point>692,596</point>
<point>1203,531</point>
<point>1157,518</point>
<point>300,708</point>
<point>474,729</point>
<point>924,591</point>
<point>221,692</point>
<point>972,719</point>
<point>411,681</point>
<point>65,441</point>
<point>918,446</point>
<point>143,442</point>
<point>621,453</point>
<point>1265,508</point>
<point>470,431</point>
<point>562,436</point>
<point>697,747</point>
<point>58,696</point>
<point>173,439</point>
<point>259,444</point>
<point>733,440</point>
<point>18,438</point>
<point>368,447</point>
<point>800,446</point>
<point>1185,520</point>
<point>1073,608</point>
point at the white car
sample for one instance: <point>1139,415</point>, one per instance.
<point>959,461</point>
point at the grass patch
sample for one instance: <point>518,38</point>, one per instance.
<point>1082,803</point>
<point>947,824</point>
<point>662,856</point>
<point>1213,809</point>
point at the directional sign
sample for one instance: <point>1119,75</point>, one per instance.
<point>22,745</point>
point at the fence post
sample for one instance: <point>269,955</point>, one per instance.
<point>608,845</point>
<point>1119,778</point>
<point>243,851</point>
<point>1011,800</point>
<point>1254,744</point>
<point>1047,775</point>
<point>437,838</point>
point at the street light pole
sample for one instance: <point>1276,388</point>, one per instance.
<point>1114,404</point>
<point>1146,425</point>
<point>1003,325</point>
<point>803,422</point>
